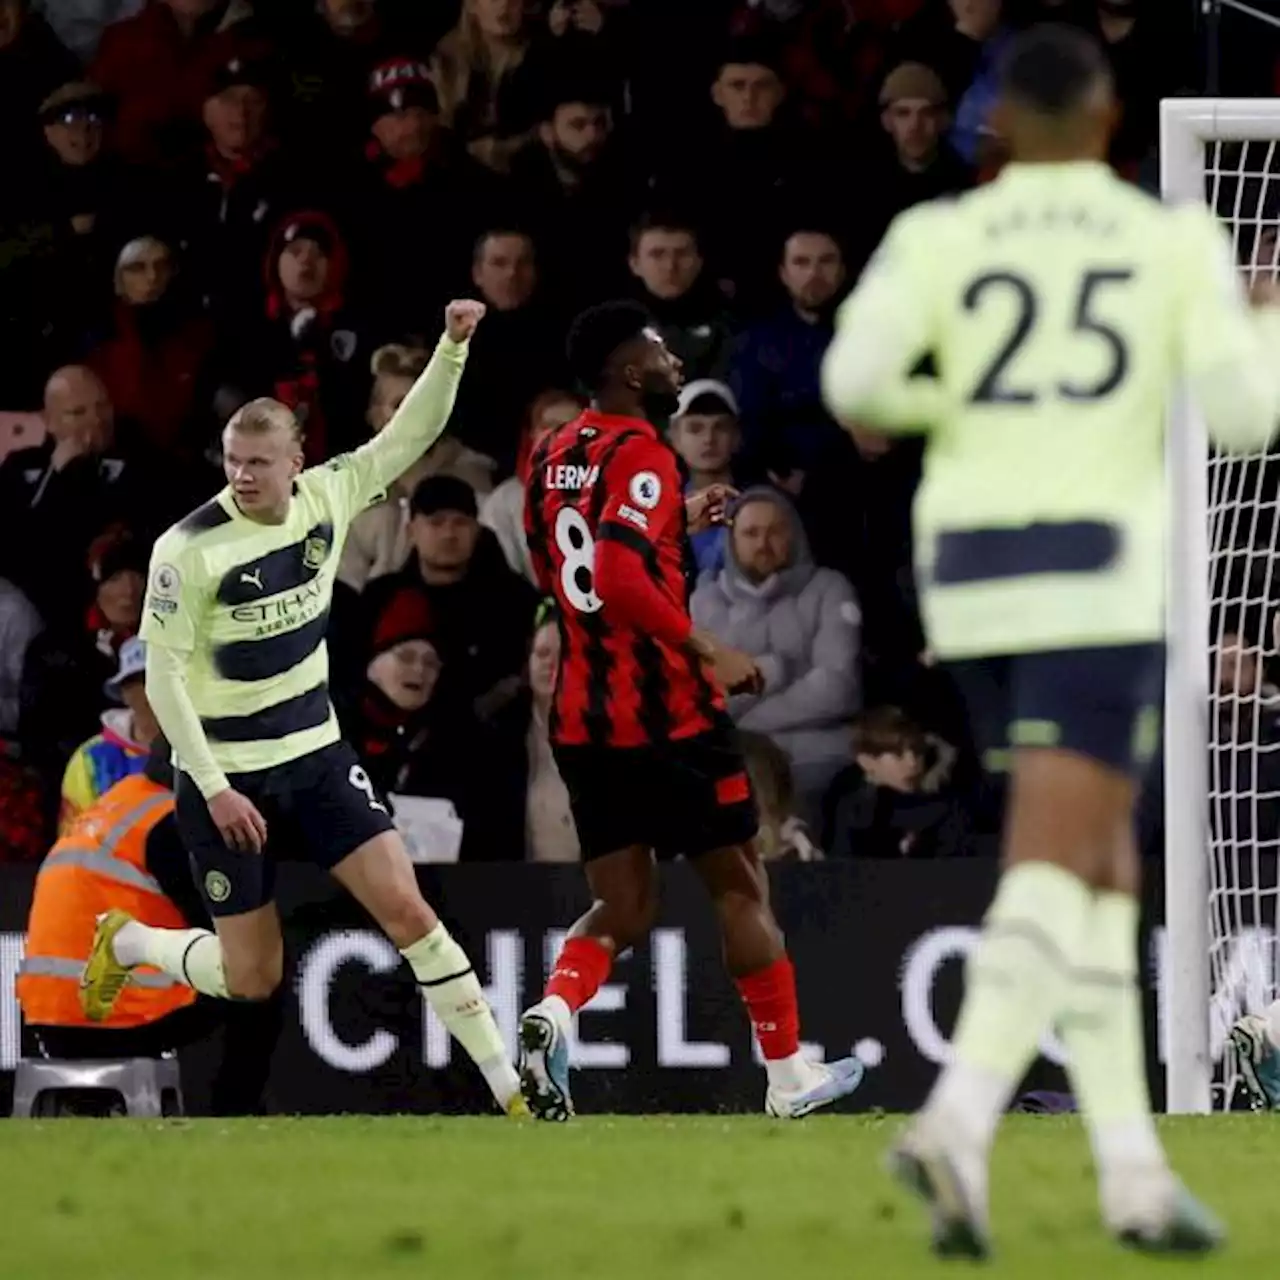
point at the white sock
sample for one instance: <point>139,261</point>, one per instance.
<point>557,1009</point>
<point>192,956</point>
<point>450,986</point>
<point>791,1074</point>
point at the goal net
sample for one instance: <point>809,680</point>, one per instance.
<point>1222,762</point>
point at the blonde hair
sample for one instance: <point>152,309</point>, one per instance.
<point>263,415</point>
<point>464,53</point>
<point>395,360</point>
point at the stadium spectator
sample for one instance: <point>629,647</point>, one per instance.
<point>899,799</point>
<point>486,74</point>
<point>68,667</point>
<point>515,354</point>
<point>800,624</point>
<point>577,187</point>
<point>33,63</point>
<point>774,371</point>
<point>550,835</point>
<point>334,51</point>
<point>122,747</point>
<point>157,64</point>
<point>482,620</point>
<point>421,203</point>
<point>90,197</point>
<point>232,191</point>
<point>56,497</point>
<point>155,358</point>
<point>921,165</point>
<point>378,541</point>
<point>1150,60</point>
<point>19,626</point>
<point>704,432</point>
<point>751,176</point>
<point>666,259</point>
<point>309,349</point>
<point>387,718</point>
<point>594,32</point>
<point>503,510</point>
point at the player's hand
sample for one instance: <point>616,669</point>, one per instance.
<point>461,318</point>
<point>707,507</point>
<point>733,670</point>
<point>241,825</point>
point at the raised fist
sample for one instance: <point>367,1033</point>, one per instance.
<point>461,318</point>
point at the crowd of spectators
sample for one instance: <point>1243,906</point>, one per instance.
<point>205,203</point>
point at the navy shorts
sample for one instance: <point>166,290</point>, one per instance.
<point>1102,703</point>
<point>686,796</point>
<point>318,809</point>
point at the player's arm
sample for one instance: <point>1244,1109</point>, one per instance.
<point>420,420</point>
<point>883,330</point>
<point>171,615</point>
<point>644,507</point>
<point>1228,351</point>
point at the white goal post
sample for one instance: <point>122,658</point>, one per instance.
<point>1222,819</point>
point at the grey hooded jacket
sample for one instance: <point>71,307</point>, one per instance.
<point>802,627</point>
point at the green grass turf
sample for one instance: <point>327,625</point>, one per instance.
<point>613,1198</point>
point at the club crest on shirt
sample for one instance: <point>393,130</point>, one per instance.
<point>314,551</point>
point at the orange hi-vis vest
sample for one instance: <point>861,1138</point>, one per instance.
<point>100,863</point>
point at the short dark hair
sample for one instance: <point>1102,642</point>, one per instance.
<point>574,88</point>
<point>496,232</point>
<point>809,227</point>
<point>663,220</point>
<point>597,333</point>
<point>751,51</point>
<point>886,731</point>
<point>1052,67</point>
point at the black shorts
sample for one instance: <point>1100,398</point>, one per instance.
<point>318,808</point>
<point>1103,703</point>
<point>687,796</point>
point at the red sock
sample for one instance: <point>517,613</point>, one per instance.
<point>770,997</point>
<point>581,969</point>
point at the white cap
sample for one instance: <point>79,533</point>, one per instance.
<point>691,391</point>
<point>133,662</point>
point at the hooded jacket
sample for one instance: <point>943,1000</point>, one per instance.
<point>802,627</point>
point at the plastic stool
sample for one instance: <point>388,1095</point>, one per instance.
<point>148,1086</point>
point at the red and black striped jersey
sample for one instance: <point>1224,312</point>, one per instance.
<point>605,521</point>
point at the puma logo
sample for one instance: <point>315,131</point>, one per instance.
<point>254,579</point>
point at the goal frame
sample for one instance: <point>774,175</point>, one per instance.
<point>1186,126</point>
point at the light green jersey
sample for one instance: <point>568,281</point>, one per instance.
<point>1061,307</point>
<point>236,610</point>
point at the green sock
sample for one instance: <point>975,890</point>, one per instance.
<point>450,986</point>
<point>1101,1027</point>
<point>1014,984</point>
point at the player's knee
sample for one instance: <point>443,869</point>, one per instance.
<point>406,918</point>
<point>254,977</point>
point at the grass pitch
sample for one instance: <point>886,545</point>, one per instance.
<point>664,1198</point>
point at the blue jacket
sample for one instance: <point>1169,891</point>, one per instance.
<point>774,374</point>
